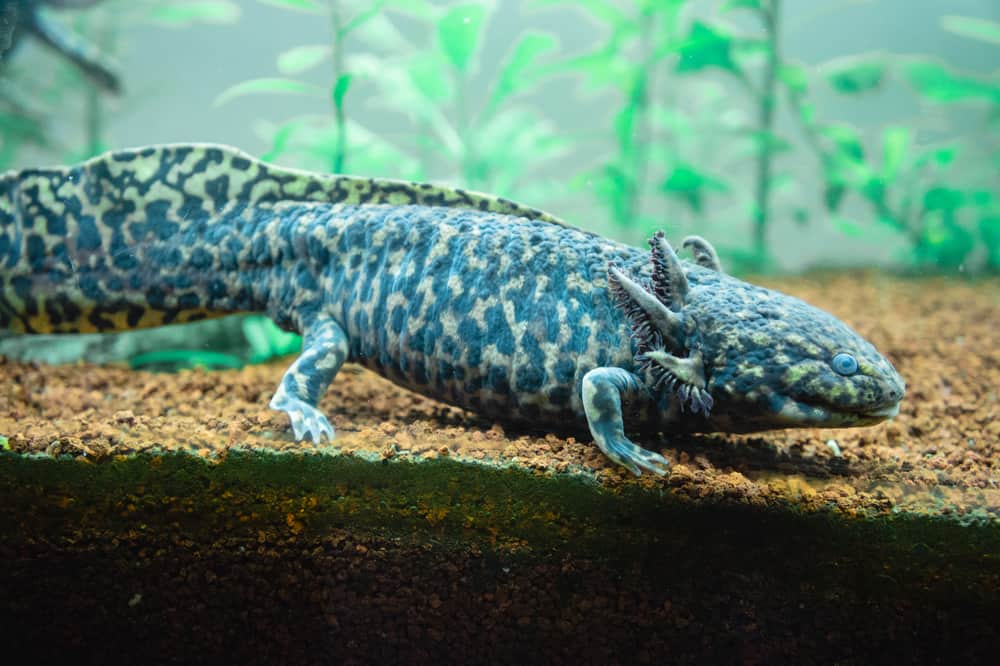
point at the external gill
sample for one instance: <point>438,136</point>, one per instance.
<point>683,376</point>
<point>638,305</point>
<point>660,326</point>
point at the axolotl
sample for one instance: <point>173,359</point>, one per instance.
<point>470,299</point>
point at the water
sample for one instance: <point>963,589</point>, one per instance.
<point>831,151</point>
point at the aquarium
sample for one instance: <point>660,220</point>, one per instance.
<point>623,331</point>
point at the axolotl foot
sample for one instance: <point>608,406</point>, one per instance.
<point>324,349</point>
<point>305,418</point>
<point>603,389</point>
<point>632,456</point>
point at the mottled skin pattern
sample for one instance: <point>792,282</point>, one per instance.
<point>467,298</point>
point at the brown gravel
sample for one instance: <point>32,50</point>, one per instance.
<point>165,560</point>
<point>941,454</point>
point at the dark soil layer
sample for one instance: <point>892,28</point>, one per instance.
<point>444,537</point>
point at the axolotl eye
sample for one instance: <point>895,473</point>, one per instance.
<point>844,364</point>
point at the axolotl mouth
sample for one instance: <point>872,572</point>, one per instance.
<point>799,413</point>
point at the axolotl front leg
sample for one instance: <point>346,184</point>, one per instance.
<point>661,329</point>
<point>603,390</point>
<point>324,350</point>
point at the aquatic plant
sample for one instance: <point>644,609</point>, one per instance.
<point>636,42</point>
<point>327,139</point>
<point>476,135</point>
<point>483,142</point>
<point>29,104</point>
<point>33,107</point>
<point>649,47</point>
<point>940,196</point>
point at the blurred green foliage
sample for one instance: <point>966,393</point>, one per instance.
<point>487,141</point>
<point>29,103</point>
<point>710,122</point>
<point>652,58</point>
<point>942,197</point>
<point>733,160</point>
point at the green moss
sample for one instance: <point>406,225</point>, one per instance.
<point>251,494</point>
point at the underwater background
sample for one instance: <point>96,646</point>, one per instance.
<point>792,133</point>
<point>843,151</point>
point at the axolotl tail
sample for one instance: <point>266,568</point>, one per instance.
<point>110,244</point>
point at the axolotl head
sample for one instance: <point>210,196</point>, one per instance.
<point>746,358</point>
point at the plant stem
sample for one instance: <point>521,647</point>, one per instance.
<point>765,123</point>
<point>101,27</point>
<point>93,120</point>
<point>463,125</point>
<point>340,118</point>
<point>633,145</point>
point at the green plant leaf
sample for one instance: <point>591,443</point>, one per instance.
<point>171,360</point>
<point>982,198</point>
<point>282,135</point>
<point>746,47</point>
<point>847,226</point>
<point>624,123</point>
<point>794,77</point>
<point>266,340</point>
<point>340,89</point>
<point>602,67</point>
<point>689,184</point>
<point>895,145</point>
<point>425,74</point>
<point>937,83</point>
<point>833,195</point>
<point>300,58</point>
<point>406,87</point>
<point>268,86</point>
<point>973,28</point>
<point>762,141</point>
<point>857,74</point>
<point>380,32</point>
<point>845,168</point>
<point>362,18</point>
<point>944,199</point>
<point>846,140</point>
<point>706,47</point>
<point>459,32</point>
<point>730,5</point>
<point>942,157</point>
<point>604,12</point>
<point>311,6</point>
<point>942,242</point>
<point>183,14</point>
<point>989,231</point>
<point>503,141</point>
<point>516,73</point>
<point>423,9</point>
<point>807,113</point>
<point>612,184</point>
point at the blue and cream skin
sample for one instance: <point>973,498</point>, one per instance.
<point>470,299</point>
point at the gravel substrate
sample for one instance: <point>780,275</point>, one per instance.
<point>812,545</point>
<point>941,454</point>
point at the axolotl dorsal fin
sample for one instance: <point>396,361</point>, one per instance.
<point>213,176</point>
<point>661,327</point>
